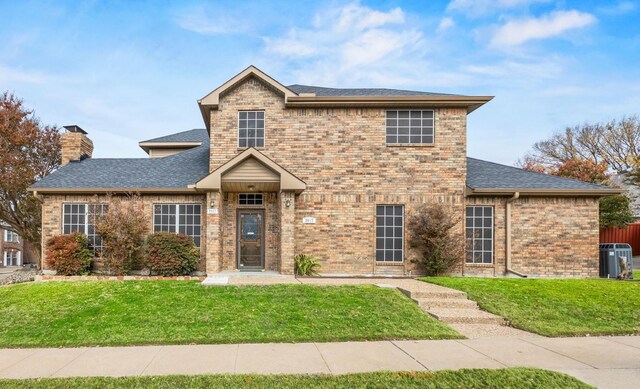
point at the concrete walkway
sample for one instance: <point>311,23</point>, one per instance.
<point>607,362</point>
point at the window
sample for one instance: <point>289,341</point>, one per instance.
<point>250,199</point>
<point>410,127</point>
<point>12,258</point>
<point>389,233</point>
<point>82,218</point>
<point>251,129</point>
<point>479,234</point>
<point>179,218</point>
<point>10,236</point>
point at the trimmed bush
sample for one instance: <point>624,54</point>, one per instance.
<point>170,254</point>
<point>69,255</point>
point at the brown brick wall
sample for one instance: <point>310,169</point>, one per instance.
<point>52,213</point>
<point>342,157</point>
<point>551,236</point>
<point>75,145</point>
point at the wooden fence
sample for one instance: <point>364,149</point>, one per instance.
<point>630,235</point>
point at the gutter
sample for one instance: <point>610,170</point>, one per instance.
<point>508,269</point>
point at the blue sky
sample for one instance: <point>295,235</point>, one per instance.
<point>126,71</point>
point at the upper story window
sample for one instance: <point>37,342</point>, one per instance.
<point>251,129</point>
<point>409,127</point>
<point>10,236</point>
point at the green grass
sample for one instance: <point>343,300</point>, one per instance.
<point>556,307</point>
<point>467,378</point>
<point>169,312</point>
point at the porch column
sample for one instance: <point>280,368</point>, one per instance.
<point>287,232</point>
<point>214,234</point>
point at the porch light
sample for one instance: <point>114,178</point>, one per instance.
<point>251,187</point>
<point>212,204</point>
<point>287,203</point>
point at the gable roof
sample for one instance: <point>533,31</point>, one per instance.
<point>174,173</point>
<point>287,180</point>
<point>484,177</point>
<point>195,135</point>
<point>322,91</point>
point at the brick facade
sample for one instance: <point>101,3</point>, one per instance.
<point>342,157</point>
<point>550,236</point>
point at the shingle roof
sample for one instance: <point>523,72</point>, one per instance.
<point>322,91</point>
<point>491,175</point>
<point>175,171</point>
<point>195,135</point>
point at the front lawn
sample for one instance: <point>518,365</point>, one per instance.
<point>556,307</point>
<point>181,312</point>
<point>467,378</point>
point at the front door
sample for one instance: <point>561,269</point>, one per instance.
<point>250,240</point>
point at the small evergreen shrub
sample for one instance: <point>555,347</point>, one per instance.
<point>306,265</point>
<point>170,254</point>
<point>69,255</point>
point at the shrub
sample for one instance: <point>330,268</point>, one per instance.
<point>123,229</point>
<point>171,254</point>
<point>306,265</point>
<point>436,234</point>
<point>69,255</point>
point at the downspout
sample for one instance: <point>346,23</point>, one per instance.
<point>516,195</point>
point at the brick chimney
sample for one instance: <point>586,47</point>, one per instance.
<point>75,145</point>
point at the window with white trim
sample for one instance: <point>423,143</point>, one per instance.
<point>251,129</point>
<point>479,229</point>
<point>178,218</point>
<point>82,218</point>
<point>389,233</point>
<point>250,199</point>
<point>12,258</point>
<point>10,236</point>
<point>410,127</point>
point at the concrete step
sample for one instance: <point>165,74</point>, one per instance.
<point>429,303</point>
<point>424,294</point>
<point>465,316</point>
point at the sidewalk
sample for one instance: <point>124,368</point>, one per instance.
<point>607,362</point>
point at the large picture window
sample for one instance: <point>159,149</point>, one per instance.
<point>82,218</point>
<point>178,218</point>
<point>479,234</point>
<point>12,258</point>
<point>389,233</point>
<point>410,127</point>
<point>251,129</point>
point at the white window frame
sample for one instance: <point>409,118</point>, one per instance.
<point>394,237</point>
<point>18,257</point>
<point>8,236</point>
<point>87,224</point>
<point>422,127</point>
<point>264,130</point>
<point>471,240</point>
<point>259,196</point>
<point>176,226</point>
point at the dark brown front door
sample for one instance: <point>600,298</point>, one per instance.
<point>250,240</point>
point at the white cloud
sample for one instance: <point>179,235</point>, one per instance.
<point>349,43</point>
<point>445,24</point>
<point>201,21</point>
<point>519,31</point>
<point>9,75</point>
<point>483,7</point>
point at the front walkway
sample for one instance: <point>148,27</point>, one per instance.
<point>607,362</point>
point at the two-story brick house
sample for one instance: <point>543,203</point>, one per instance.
<point>282,170</point>
<point>14,250</point>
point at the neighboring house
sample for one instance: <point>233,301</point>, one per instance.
<point>14,251</point>
<point>283,170</point>
<point>633,191</point>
